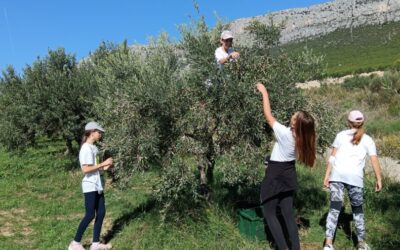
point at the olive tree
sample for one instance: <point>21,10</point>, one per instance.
<point>16,128</point>
<point>167,106</point>
<point>59,95</point>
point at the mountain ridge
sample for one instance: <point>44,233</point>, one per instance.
<point>321,19</point>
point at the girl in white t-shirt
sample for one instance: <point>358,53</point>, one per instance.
<point>92,187</point>
<point>280,181</point>
<point>346,170</point>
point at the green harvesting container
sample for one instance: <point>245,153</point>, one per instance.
<point>251,223</point>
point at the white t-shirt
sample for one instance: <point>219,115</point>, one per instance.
<point>349,161</point>
<point>220,54</point>
<point>284,146</point>
<point>91,181</point>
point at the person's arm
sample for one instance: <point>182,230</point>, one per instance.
<point>225,59</point>
<point>266,104</point>
<point>377,169</point>
<point>329,168</point>
<point>92,168</point>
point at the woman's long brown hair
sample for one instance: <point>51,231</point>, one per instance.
<point>305,138</point>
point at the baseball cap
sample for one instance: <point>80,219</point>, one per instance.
<point>226,34</point>
<point>356,116</point>
<point>93,126</point>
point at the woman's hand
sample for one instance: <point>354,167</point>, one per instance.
<point>235,55</point>
<point>107,167</point>
<point>109,161</point>
<point>261,88</point>
<point>326,182</point>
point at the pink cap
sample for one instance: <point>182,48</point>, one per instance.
<point>226,34</point>
<point>356,116</point>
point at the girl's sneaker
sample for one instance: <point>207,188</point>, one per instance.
<point>328,247</point>
<point>75,246</point>
<point>363,247</point>
<point>100,246</point>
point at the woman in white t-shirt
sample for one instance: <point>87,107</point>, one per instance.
<point>346,170</point>
<point>225,53</point>
<point>92,187</point>
<point>280,181</point>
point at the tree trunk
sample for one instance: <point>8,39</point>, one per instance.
<point>69,150</point>
<point>210,160</point>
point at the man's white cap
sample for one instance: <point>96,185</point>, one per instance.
<point>93,126</point>
<point>226,34</point>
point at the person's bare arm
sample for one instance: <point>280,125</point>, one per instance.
<point>378,175</point>
<point>266,104</point>
<point>92,168</point>
<point>329,168</point>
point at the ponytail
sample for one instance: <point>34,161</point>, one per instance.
<point>86,136</point>
<point>359,132</point>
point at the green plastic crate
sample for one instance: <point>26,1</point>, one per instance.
<point>251,223</point>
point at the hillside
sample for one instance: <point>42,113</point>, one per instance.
<point>322,19</point>
<point>353,36</point>
<point>368,48</point>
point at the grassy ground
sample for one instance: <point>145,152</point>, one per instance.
<point>370,48</point>
<point>41,206</point>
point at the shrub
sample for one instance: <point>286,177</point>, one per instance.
<point>356,82</point>
<point>390,145</point>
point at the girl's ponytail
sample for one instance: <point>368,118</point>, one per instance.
<point>358,134</point>
<point>86,136</point>
<point>356,120</point>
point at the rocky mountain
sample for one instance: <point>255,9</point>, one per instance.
<point>321,19</point>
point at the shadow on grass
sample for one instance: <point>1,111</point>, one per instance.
<point>125,219</point>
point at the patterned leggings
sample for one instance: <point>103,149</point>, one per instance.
<point>356,201</point>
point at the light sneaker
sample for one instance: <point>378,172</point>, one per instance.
<point>75,246</point>
<point>100,246</point>
<point>328,247</point>
<point>364,247</point>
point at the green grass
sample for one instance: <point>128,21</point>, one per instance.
<point>372,47</point>
<point>41,206</point>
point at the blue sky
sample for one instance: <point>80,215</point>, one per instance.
<point>29,28</point>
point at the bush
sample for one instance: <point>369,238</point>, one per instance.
<point>390,145</point>
<point>356,82</point>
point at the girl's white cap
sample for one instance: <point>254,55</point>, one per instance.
<point>226,34</point>
<point>356,116</point>
<point>93,126</point>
